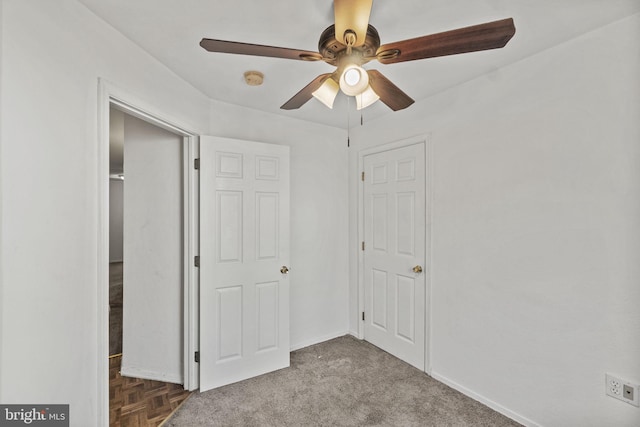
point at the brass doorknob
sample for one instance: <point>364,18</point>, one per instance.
<point>284,269</point>
<point>417,269</point>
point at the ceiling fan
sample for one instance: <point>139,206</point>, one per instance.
<point>352,42</point>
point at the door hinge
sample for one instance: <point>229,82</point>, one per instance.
<point>363,316</point>
<point>362,177</point>
<point>196,261</point>
<point>196,164</point>
<point>363,246</point>
<point>196,357</point>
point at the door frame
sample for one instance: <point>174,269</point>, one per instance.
<point>419,139</point>
<point>108,95</point>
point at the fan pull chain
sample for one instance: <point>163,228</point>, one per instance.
<point>348,121</point>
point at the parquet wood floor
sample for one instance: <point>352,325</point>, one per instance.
<point>140,403</point>
<point>115,307</point>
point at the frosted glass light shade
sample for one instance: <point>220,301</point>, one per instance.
<point>354,80</point>
<point>352,77</point>
<point>366,98</point>
<point>327,92</point>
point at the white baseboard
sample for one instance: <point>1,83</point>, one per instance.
<point>128,371</point>
<point>317,340</point>
<point>487,402</point>
<point>355,335</point>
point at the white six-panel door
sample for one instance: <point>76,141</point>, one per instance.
<point>244,243</point>
<point>394,236</point>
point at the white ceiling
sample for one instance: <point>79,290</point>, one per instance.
<point>171,30</point>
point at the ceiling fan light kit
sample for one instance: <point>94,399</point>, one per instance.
<point>352,42</point>
<point>327,92</point>
<point>354,80</point>
<point>366,98</point>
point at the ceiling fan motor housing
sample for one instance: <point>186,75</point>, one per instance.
<point>333,50</point>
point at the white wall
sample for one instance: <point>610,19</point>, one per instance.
<point>52,56</point>
<point>116,203</point>
<point>319,215</point>
<point>1,197</point>
<point>153,254</point>
<point>535,229</point>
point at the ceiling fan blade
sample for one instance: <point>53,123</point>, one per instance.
<point>300,98</point>
<point>389,93</point>
<point>352,15</point>
<point>258,50</point>
<point>491,35</point>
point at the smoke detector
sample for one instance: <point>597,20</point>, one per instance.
<point>253,78</point>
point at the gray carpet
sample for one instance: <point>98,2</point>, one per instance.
<point>342,382</point>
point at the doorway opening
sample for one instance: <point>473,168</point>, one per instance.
<point>145,271</point>
<point>147,194</point>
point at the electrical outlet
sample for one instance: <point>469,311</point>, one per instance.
<point>622,390</point>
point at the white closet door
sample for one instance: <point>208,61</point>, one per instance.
<point>395,222</point>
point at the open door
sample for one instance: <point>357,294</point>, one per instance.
<point>244,254</point>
